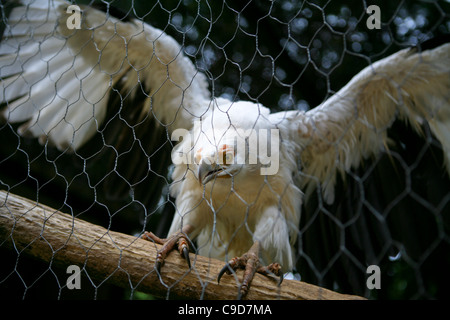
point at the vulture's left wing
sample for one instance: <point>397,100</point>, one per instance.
<point>351,126</point>
<point>373,162</point>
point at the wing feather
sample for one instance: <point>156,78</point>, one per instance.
<point>410,85</point>
<point>60,80</point>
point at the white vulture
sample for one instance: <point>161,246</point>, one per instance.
<point>240,172</point>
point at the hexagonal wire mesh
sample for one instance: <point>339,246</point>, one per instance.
<point>391,210</point>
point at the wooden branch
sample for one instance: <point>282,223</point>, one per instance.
<point>124,260</point>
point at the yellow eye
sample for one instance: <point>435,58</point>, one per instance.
<point>226,154</point>
<point>228,158</point>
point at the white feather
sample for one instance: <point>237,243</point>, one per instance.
<point>230,214</point>
<point>59,79</point>
<point>351,125</point>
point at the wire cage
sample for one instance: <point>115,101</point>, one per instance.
<point>391,211</point>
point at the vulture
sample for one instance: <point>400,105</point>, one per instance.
<point>240,173</point>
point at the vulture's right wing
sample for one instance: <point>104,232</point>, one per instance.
<point>59,80</point>
<point>121,78</point>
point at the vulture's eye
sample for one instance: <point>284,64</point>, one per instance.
<point>228,158</point>
<point>226,153</point>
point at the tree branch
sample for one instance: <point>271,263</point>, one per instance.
<point>50,235</point>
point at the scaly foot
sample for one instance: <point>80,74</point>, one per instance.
<point>250,263</point>
<point>178,240</point>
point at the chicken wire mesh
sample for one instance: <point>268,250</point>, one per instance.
<point>392,211</point>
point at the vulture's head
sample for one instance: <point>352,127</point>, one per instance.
<point>229,145</point>
<point>219,161</point>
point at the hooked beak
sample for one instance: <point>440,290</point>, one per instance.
<point>206,172</point>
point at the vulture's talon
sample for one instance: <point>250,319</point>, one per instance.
<point>177,240</point>
<point>186,256</point>
<point>274,270</point>
<point>250,263</point>
<point>226,269</point>
<point>158,265</point>
<point>281,280</point>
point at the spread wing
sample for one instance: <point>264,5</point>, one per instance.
<point>60,80</point>
<point>368,157</point>
<point>120,79</point>
<point>352,125</point>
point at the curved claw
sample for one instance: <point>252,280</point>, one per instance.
<point>158,265</point>
<point>281,279</point>
<point>226,268</point>
<point>186,256</point>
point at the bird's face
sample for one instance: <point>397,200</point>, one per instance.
<point>225,146</point>
<point>217,162</point>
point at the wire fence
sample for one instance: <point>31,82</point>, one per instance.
<point>393,211</point>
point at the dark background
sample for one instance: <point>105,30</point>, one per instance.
<point>284,55</point>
